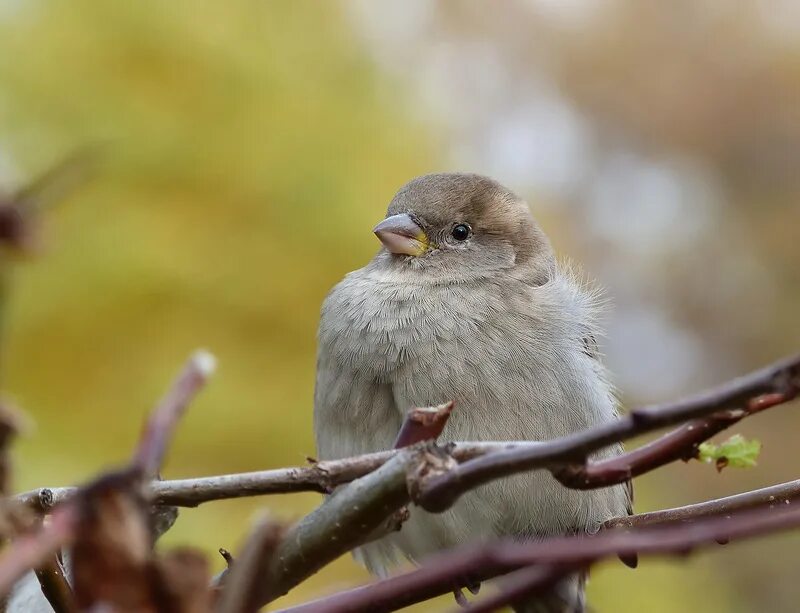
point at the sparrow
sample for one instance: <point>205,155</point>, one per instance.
<point>466,302</point>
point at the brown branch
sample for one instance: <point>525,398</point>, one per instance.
<point>83,514</point>
<point>320,477</point>
<point>680,444</point>
<point>240,585</point>
<point>161,425</point>
<point>323,476</point>
<point>775,496</point>
<point>562,554</point>
<point>112,560</point>
<point>344,520</point>
<point>720,408</point>
<point>32,550</point>
<point>769,386</point>
<point>423,424</point>
<point>55,587</point>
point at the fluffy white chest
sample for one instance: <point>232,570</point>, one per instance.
<point>510,355</point>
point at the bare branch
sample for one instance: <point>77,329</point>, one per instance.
<point>107,514</point>
<point>767,387</point>
<point>344,520</point>
<point>423,424</point>
<point>55,587</point>
<point>775,496</point>
<point>240,588</point>
<point>319,477</point>
<point>432,476</point>
<point>32,550</point>
<point>720,408</point>
<point>560,554</point>
<point>164,418</point>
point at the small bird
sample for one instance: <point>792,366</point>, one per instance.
<point>465,301</point>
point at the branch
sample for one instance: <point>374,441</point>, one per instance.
<point>562,555</point>
<point>723,406</point>
<point>779,496</point>
<point>767,387</point>
<point>431,475</point>
<point>320,477</point>
<point>55,587</point>
<point>344,520</point>
<point>164,418</point>
<point>83,512</point>
<point>680,444</point>
<point>240,585</point>
<point>33,550</point>
<point>423,424</point>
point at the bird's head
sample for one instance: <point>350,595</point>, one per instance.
<point>464,226</point>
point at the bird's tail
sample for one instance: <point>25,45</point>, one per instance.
<point>566,596</point>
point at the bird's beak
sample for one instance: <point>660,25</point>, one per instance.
<point>402,235</point>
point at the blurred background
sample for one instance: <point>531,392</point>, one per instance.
<point>248,147</point>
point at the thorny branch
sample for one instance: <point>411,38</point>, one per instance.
<point>782,379</point>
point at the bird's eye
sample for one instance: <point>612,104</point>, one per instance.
<point>461,232</point>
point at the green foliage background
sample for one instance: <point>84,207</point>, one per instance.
<point>247,148</point>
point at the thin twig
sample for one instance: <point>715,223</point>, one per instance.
<point>423,424</point>
<point>19,211</point>
<point>319,477</point>
<point>164,418</point>
<point>774,496</point>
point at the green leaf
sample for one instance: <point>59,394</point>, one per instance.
<point>737,452</point>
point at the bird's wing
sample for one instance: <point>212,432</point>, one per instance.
<point>353,412</point>
<point>353,415</point>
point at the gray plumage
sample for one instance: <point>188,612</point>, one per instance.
<point>492,322</point>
